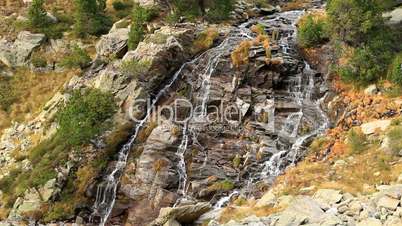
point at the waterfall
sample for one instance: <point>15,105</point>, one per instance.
<point>107,189</point>
<point>221,202</point>
<point>182,163</point>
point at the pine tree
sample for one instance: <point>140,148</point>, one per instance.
<point>37,14</point>
<point>89,18</point>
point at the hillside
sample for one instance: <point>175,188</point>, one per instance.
<point>195,112</point>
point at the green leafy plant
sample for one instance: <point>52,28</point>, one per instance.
<point>140,16</point>
<point>90,18</point>
<point>395,70</point>
<point>354,21</point>
<point>84,115</point>
<point>356,141</point>
<point>7,95</point>
<point>37,14</point>
<point>38,61</point>
<point>77,59</point>
<point>312,31</point>
<point>220,10</point>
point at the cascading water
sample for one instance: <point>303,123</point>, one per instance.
<point>107,190</point>
<point>182,163</point>
<point>286,144</point>
<point>287,147</point>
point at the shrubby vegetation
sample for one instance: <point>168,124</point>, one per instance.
<point>77,59</point>
<point>90,18</point>
<point>7,96</point>
<point>140,16</point>
<point>84,115</point>
<point>81,119</point>
<point>312,31</point>
<point>38,21</point>
<point>134,68</point>
<point>190,9</point>
<point>356,141</point>
<point>395,70</point>
<point>220,10</point>
<point>37,14</point>
<point>38,61</point>
<point>359,25</point>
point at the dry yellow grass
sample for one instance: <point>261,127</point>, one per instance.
<point>244,210</point>
<point>205,40</point>
<point>33,90</point>
<point>359,175</point>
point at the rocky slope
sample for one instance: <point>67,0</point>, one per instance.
<point>155,166</point>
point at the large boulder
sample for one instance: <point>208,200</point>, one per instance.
<point>304,210</point>
<point>372,127</point>
<point>113,44</point>
<point>186,214</point>
<point>164,51</point>
<point>16,53</point>
<point>32,200</point>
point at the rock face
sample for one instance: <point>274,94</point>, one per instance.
<point>16,53</point>
<point>113,44</point>
<point>153,176</point>
<point>33,200</point>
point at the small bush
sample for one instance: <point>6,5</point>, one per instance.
<point>369,62</point>
<point>38,61</point>
<point>395,70</point>
<point>318,145</point>
<point>356,141</point>
<point>90,18</point>
<point>118,5</point>
<point>205,40</point>
<point>220,10</point>
<point>184,8</point>
<point>395,139</point>
<point>136,35</point>
<point>140,16</point>
<point>7,94</point>
<point>312,31</point>
<point>77,59</point>
<point>37,14</point>
<point>84,115</point>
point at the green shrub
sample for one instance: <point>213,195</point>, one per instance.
<point>37,14</point>
<point>356,141</point>
<point>134,68</point>
<point>118,5</point>
<point>312,32</point>
<point>38,61</point>
<point>220,10</point>
<point>370,61</point>
<point>90,18</point>
<point>184,8</point>
<point>395,70</point>
<point>77,59</point>
<point>354,21</point>
<point>317,145</point>
<point>140,16</point>
<point>136,35</point>
<point>84,115</point>
<point>7,95</point>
